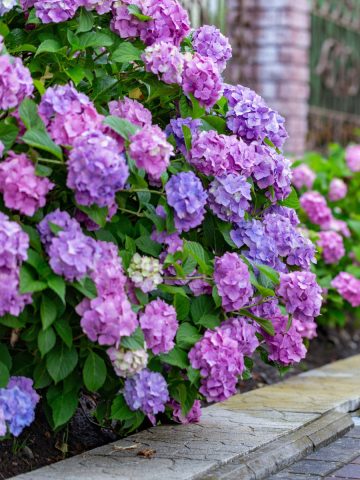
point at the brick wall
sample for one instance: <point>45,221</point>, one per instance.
<point>271,40</point>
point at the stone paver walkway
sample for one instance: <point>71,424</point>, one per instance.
<point>338,461</point>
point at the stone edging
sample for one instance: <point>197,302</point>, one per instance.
<point>247,437</point>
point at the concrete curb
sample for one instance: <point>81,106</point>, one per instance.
<point>247,437</point>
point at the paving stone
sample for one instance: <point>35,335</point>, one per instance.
<point>314,467</point>
<point>356,460</point>
<point>354,433</point>
<point>349,471</point>
<point>293,476</point>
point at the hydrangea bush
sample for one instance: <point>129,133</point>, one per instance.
<point>329,197</point>
<point>149,242</point>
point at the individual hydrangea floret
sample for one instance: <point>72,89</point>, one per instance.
<point>332,246</point>
<point>229,197</point>
<point>352,156</point>
<point>208,41</point>
<point>218,358</point>
<point>316,208</point>
<point>22,189</point>
<point>349,288</point>
<point>307,329</point>
<point>96,171</point>
<point>107,318</point>
<point>337,190</point>
<point>17,405</point>
<point>286,212</point>
<point>251,119</point>
<point>59,219</point>
<point>303,176</point>
<point>151,151</point>
<point>131,110</point>
<point>55,11</point>
<point>159,324</point>
<point>147,391</point>
<point>15,82</point>
<point>72,254</point>
<point>164,60</point>
<point>187,196</point>
<point>145,272</point>
<point>301,294</point>
<point>232,279</point>
<point>175,128</point>
<point>201,78</point>
<point>6,6</point>
<point>127,362</point>
<point>193,416</point>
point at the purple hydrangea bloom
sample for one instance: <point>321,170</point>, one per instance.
<point>251,119</point>
<point>14,244</point>
<point>209,153</point>
<point>150,151</point>
<point>316,208</point>
<point>332,246</point>
<point>232,279</point>
<point>22,189</point>
<point>244,333</point>
<point>193,416</point>
<point>208,41</point>
<point>352,156</point>
<point>337,190</point>
<point>56,11</point>
<point>272,171</point>
<point>187,196</point>
<point>11,301</point>
<point>164,60</point>
<point>123,23</point>
<point>241,156</point>
<point>17,404</point>
<point>220,361</point>
<point>338,226</point>
<point>200,287</point>
<point>301,294</point>
<point>72,254</point>
<point>131,110</point>
<point>61,220</point>
<point>101,6</point>
<point>229,197</point>
<point>27,4</point>
<point>286,212</point>
<point>159,324</point>
<point>349,288</point>
<point>202,79</point>
<point>15,82</point>
<point>147,391</point>
<point>107,318</point>
<point>108,273</point>
<point>306,329</point>
<point>6,6</point>
<point>3,426</point>
<point>175,128</point>
<point>96,171</point>
<point>303,176</point>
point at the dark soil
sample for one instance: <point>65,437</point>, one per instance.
<point>38,446</point>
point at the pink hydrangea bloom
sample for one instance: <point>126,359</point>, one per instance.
<point>165,61</point>
<point>208,41</point>
<point>303,176</point>
<point>159,324</point>
<point>352,156</point>
<point>307,329</point>
<point>15,82</point>
<point>349,288</point>
<point>108,273</point>
<point>338,226</point>
<point>337,190</point>
<point>232,279</point>
<point>202,79</point>
<point>244,333</point>
<point>151,151</point>
<point>21,188</point>
<point>131,110</point>
<point>56,11</point>
<point>332,246</point>
<point>316,208</point>
<point>193,416</point>
<point>200,287</point>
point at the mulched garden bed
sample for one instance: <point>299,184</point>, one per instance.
<point>38,446</point>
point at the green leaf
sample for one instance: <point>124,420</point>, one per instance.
<point>42,170</point>
<point>48,312</point>
<point>46,341</point>
<point>120,410</point>
<point>50,45</point>
<point>126,53</point>
<point>201,306</point>
<point>187,137</point>
<point>63,407</point>
<point>5,356</point>
<point>196,250</point>
<point>11,322</point>
<point>292,201</point>
<point>28,284</point>
<point>97,214</point>
<point>182,306</point>
<point>41,377</point>
<point>85,20</point>
<point>61,361</point>
<point>29,115</point>
<point>57,285</point>
<point>177,358</point>
<point>148,246</point>
<point>4,375</point>
<point>121,126</point>
<point>135,341</point>
<point>87,287</point>
<point>64,330</point>
<point>94,372</point>
<point>214,123</point>
<point>263,322</point>
<point>34,236</point>
<point>173,290</point>
<point>136,12</point>
<point>94,40</point>
<point>38,263</point>
<point>187,335</point>
<point>40,139</point>
<point>269,272</point>
<point>8,134</point>
<point>208,321</point>
<point>76,74</point>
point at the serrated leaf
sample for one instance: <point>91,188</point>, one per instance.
<point>135,341</point>
<point>41,140</point>
<point>98,214</point>
<point>126,53</point>
<point>49,46</point>
<point>28,284</point>
<point>57,285</point>
<point>177,358</point>
<point>121,126</point>
<point>197,251</point>
<point>29,115</point>
<point>182,306</point>
<point>46,341</point>
<point>61,361</point>
<point>85,20</point>
<point>120,410</point>
<point>93,40</point>
<point>63,407</point>
<point>148,246</point>
<point>187,335</point>
<point>94,372</point>
<point>292,201</point>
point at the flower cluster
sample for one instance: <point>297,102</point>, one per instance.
<point>229,197</point>
<point>332,246</point>
<point>159,324</point>
<point>349,288</point>
<point>208,41</point>
<point>15,81</point>
<point>127,363</point>
<point>145,272</point>
<point>352,155</point>
<point>337,190</point>
<point>303,176</point>
<point>164,60</point>
<point>316,208</point>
